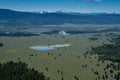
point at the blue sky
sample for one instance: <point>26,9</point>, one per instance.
<point>83,6</point>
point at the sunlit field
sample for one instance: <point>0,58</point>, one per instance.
<point>66,63</point>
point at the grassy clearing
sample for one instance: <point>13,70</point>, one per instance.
<point>68,60</point>
<point>63,62</point>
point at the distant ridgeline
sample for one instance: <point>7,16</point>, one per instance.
<point>17,34</point>
<point>108,51</point>
<point>1,44</point>
<point>9,17</point>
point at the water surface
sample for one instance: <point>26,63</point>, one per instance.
<point>50,47</point>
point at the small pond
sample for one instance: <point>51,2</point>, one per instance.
<point>50,47</point>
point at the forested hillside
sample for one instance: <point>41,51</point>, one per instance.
<point>19,71</point>
<point>109,51</point>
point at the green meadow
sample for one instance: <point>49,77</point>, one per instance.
<point>68,63</point>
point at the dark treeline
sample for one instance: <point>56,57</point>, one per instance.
<point>1,44</point>
<point>109,51</point>
<point>17,34</point>
<point>19,71</point>
<point>93,38</point>
<point>81,31</point>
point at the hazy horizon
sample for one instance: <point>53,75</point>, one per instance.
<point>82,6</point>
